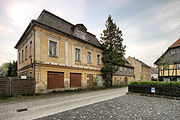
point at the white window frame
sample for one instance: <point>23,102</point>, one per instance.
<point>57,46</point>
<point>115,78</point>
<point>22,55</point>
<point>99,63</point>
<point>173,52</point>
<point>25,52</point>
<point>89,58</point>
<point>30,47</point>
<point>19,57</point>
<point>76,57</point>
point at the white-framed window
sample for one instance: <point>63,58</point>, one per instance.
<point>80,34</point>
<point>178,66</point>
<point>173,52</point>
<point>26,52</point>
<point>30,74</point>
<point>115,78</point>
<point>30,48</point>
<point>52,48</point>
<point>89,56</point>
<point>120,68</point>
<point>124,69</point>
<point>22,55</point>
<point>77,54</point>
<point>98,59</point>
<point>19,58</point>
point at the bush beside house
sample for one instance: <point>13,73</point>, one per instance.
<point>171,89</point>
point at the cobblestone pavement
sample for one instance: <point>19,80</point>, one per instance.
<point>127,107</point>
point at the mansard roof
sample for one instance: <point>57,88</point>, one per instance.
<point>55,23</point>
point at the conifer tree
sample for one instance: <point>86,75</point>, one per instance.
<point>113,50</point>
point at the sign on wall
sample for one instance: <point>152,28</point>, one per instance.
<point>152,89</point>
<point>23,77</point>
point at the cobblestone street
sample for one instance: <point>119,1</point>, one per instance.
<point>128,107</point>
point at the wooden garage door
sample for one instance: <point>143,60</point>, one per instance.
<point>89,80</point>
<point>55,80</point>
<point>75,79</point>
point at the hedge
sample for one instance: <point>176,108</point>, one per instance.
<point>156,83</point>
<point>171,89</point>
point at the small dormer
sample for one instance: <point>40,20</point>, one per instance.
<point>81,27</point>
<point>79,30</point>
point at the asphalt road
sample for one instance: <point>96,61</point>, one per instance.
<point>127,107</point>
<point>44,107</point>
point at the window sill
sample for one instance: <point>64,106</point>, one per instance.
<point>53,56</point>
<point>89,62</point>
<point>78,60</point>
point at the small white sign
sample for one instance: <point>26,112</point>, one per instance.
<point>23,77</point>
<point>153,89</point>
<point>87,78</point>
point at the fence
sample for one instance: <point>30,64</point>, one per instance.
<point>16,86</point>
<point>163,91</point>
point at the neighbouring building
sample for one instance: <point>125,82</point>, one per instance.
<point>142,71</point>
<point>124,74</point>
<point>58,54</point>
<point>169,63</point>
<point>154,74</point>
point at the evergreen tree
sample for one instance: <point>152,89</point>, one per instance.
<point>9,70</point>
<point>14,69</point>
<point>113,50</point>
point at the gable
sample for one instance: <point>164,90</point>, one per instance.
<point>171,56</point>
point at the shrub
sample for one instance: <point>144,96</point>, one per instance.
<point>156,83</point>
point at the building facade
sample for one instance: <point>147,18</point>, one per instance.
<point>169,63</point>
<point>58,54</point>
<point>124,74</point>
<point>154,74</point>
<point>142,71</point>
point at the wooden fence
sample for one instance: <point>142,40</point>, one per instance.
<point>17,86</point>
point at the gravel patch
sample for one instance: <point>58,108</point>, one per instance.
<point>128,107</point>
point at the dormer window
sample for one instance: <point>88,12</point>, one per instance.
<point>80,34</point>
<point>80,31</point>
<point>173,52</point>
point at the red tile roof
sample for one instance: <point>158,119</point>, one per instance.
<point>175,44</point>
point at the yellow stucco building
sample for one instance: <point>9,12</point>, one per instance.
<point>58,54</point>
<point>142,71</point>
<point>124,74</point>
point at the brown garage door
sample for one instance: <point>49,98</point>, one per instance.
<point>55,80</point>
<point>89,80</point>
<point>75,79</point>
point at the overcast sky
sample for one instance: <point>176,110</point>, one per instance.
<point>148,26</point>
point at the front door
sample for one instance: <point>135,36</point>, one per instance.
<point>89,80</point>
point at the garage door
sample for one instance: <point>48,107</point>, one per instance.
<point>55,80</point>
<point>75,79</point>
<point>89,80</point>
